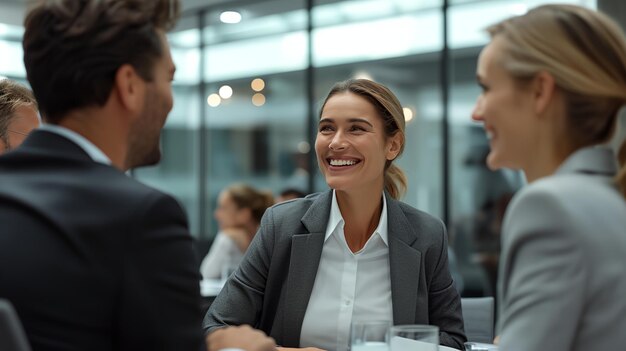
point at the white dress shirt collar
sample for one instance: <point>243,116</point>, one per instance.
<point>335,219</point>
<point>92,150</point>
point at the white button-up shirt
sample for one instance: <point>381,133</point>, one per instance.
<point>348,286</point>
<point>92,150</point>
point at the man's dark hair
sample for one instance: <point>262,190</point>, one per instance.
<point>73,48</point>
<point>12,96</point>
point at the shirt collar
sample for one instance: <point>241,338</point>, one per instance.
<point>336,219</point>
<point>597,159</point>
<point>92,150</point>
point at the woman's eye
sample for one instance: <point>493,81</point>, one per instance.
<point>323,129</point>
<point>357,128</point>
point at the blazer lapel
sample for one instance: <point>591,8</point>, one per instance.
<point>404,264</point>
<point>306,250</point>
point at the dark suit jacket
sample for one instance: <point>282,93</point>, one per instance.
<point>90,258</point>
<point>272,287</point>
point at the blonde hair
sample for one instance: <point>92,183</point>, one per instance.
<point>585,52</point>
<point>12,96</point>
<point>245,196</point>
<point>390,110</point>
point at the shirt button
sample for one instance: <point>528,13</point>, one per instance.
<point>347,302</point>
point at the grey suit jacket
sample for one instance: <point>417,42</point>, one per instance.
<point>272,287</point>
<point>563,269</point>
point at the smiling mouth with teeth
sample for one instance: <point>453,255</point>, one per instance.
<point>342,162</point>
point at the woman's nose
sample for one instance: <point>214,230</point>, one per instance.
<point>338,142</point>
<point>477,112</point>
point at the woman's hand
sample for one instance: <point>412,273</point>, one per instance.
<point>239,236</point>
<point>242,337</point>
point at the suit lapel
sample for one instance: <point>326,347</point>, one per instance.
<point>404,264</point>
<point>306,250</point>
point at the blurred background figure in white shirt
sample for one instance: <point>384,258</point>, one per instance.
<point>238,214</point>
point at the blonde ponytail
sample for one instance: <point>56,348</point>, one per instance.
<point>620,179</point>
<point>395,182</point>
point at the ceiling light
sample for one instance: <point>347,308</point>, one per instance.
<point>362,75</point>
<point>257,84</point>
<point>304,147</point>
<point>230,17</point>
<point>214,100</point>
<point>408,114</point>
<point>226,91</point>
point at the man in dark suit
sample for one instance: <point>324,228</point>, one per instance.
<point>90,258</point>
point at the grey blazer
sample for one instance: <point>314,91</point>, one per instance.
<point>272,287</point>
<point>563,269</point>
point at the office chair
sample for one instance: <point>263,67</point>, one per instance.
<point>12,337</point>
<point>478,318</point>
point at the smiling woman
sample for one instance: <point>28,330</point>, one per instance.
<point>361,130</point>
<point>553,82</point>
<point>351,253</point>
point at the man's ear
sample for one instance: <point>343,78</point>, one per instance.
<point>394,145</point>
<point>544,88</point>
<point>129,88</point>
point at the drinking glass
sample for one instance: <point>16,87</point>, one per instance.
<point>414,337</point>
<point>369,335</point>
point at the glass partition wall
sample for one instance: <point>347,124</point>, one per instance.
<point>397,43</point>
<point>255,80</point>
<point>250,78</point>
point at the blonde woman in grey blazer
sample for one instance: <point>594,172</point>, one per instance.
<point>553,81</point>
<point>351,253</point>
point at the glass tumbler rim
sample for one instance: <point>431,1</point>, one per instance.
<point>414,327</point>
<point>371,321</point>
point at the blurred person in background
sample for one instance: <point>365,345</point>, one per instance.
<point>289,194</point>
<point>18,114</point>
<point>239,211</point>
<point>354,252</point>
<point>553,82</point>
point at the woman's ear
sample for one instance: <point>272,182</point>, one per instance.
<point>394,145</point>
<point>544,88</point>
